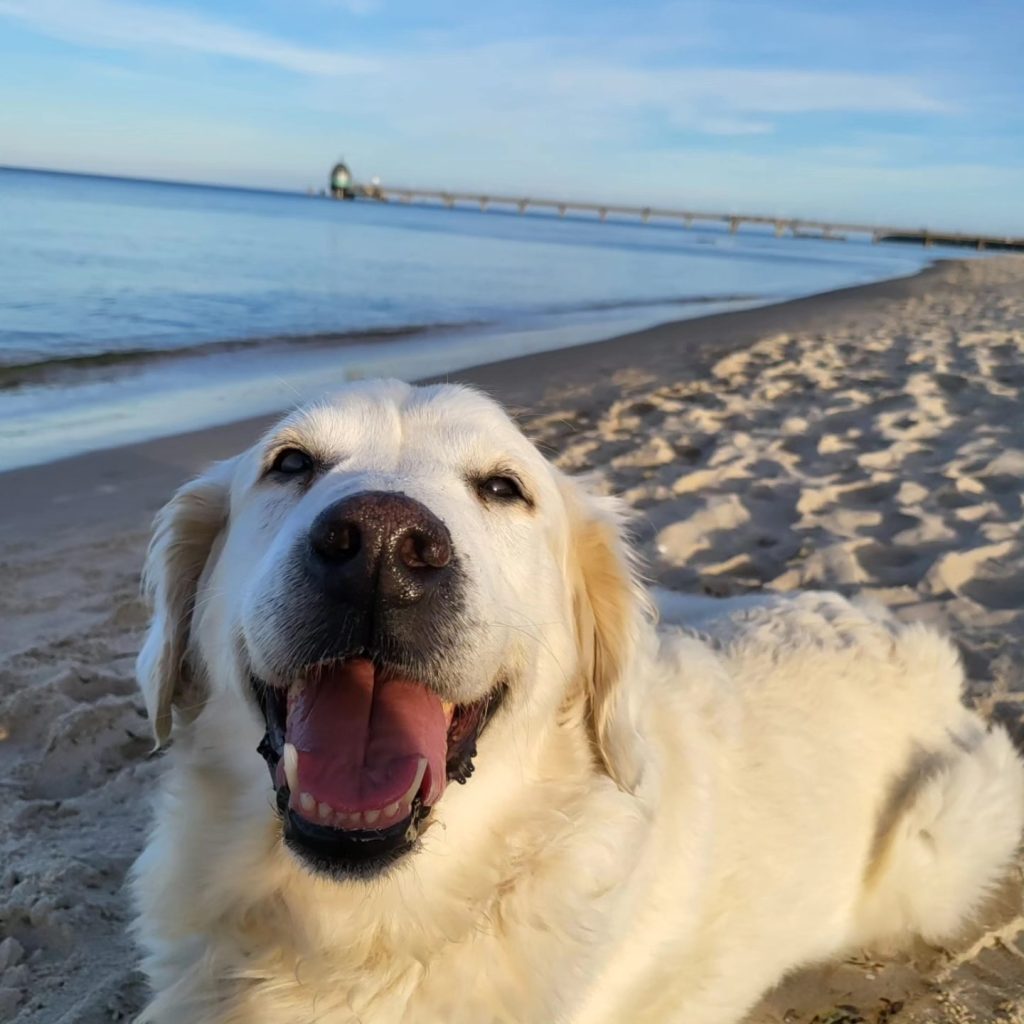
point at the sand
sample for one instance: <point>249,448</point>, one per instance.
<point>868,440</point>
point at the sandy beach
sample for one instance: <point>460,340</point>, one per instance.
<point>868,440</point>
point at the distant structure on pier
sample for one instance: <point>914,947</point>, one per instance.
<point>341,182</point>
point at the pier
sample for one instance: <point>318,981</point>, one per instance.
<point>794,226</point>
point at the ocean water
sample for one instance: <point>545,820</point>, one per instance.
<point>132,309</point>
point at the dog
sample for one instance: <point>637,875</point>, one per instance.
<point>436,760</point>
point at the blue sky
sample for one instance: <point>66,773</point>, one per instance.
<point>901,112</point>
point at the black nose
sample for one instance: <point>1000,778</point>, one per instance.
<point>379,548</point>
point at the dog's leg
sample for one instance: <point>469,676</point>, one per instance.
<point>946,843</point>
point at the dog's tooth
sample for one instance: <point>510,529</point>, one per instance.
<point>410,793</point>
<point>324,811</point>
<point>291,766</point>
<point>307,802</point>
<point>391,810</point>
<point>292,694</point>
<point>371,817</point>
<point>355,818</point>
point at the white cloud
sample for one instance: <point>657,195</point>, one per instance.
<point>127,26</point>
<point>355,6</point>
<point>763,91</point>
<point>531,74</point>
<point>529,99</point>
<point>734,126</point>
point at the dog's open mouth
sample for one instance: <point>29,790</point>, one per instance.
<point>359,755</point>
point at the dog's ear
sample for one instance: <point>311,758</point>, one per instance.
<point>183,535</point>
<point>609,608</point>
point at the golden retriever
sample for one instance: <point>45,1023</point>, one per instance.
<point>497,790</point>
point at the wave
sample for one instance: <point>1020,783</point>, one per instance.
<point>42,371</point>
<point>610,305</point>
<point>60,368</point>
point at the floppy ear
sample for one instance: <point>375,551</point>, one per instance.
<point>609,608</point>
<point>184,532</point>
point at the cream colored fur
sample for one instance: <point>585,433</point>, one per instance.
<point>664,820</point>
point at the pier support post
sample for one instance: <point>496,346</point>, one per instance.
<point>484,200</point>
<point>734,224</point>
<point>645,214</point>
<point>603,212</point>
<point>522,204</point>
<point>561,209</point>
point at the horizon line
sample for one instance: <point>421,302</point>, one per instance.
<point>312,192</point>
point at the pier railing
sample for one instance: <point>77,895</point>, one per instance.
<point>797,226</point>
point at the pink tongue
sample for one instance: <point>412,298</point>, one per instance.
<point>360,740</point>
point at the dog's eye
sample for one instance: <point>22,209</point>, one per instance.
<point>500,488</point>
<point>291,462</point>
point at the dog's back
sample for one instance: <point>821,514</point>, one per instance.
<point>857,801</point>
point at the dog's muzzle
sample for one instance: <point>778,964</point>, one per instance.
<point>360,742</point>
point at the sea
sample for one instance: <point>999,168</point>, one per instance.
<point>135,309</point>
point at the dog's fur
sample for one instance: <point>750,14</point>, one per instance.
<point>663,820</point>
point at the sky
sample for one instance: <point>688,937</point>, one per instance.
<point>879,111</point>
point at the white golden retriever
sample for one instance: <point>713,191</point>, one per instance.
<point>392,591</point>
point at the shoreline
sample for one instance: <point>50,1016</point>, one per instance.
<point>87,487</point>
<point>56,409</point>
<point>241,304</point>
<point>71,368</point>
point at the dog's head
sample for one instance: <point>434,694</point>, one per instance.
<point>381,582</point>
